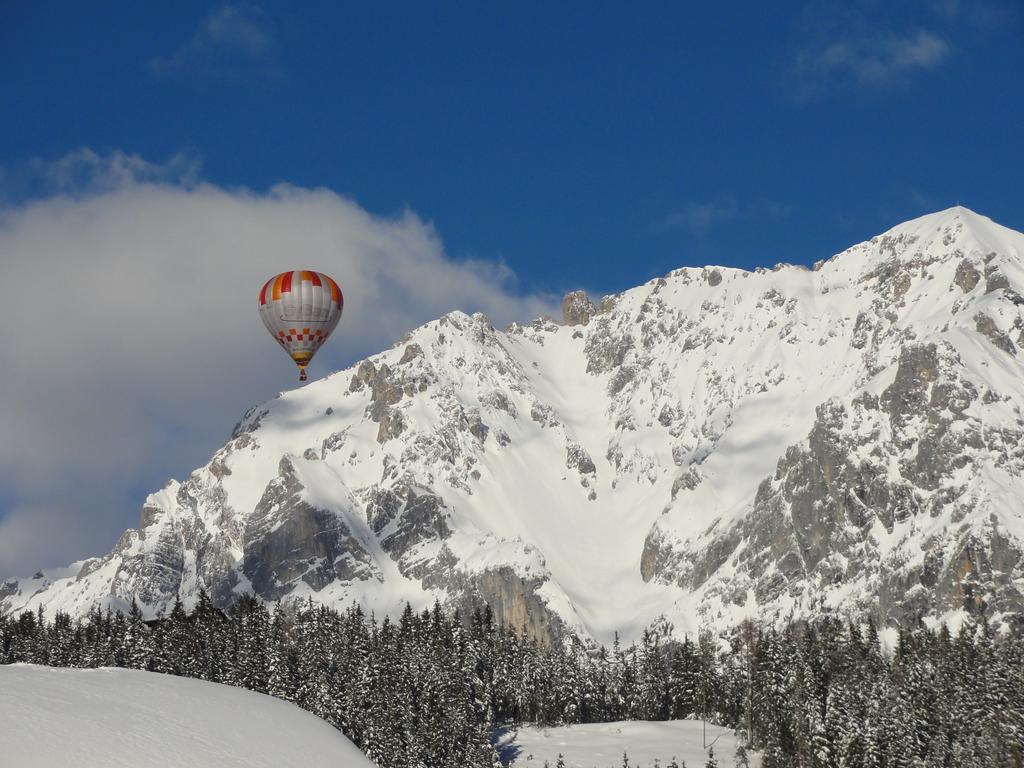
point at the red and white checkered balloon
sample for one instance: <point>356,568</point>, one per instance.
<point>301,309</point>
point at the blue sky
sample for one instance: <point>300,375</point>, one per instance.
<point>159,161</point>
<point>583,144</point>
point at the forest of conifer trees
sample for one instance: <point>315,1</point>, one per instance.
<point>427,690</point>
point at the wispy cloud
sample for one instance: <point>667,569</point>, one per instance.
<point>233,41</point>
<point>85,171</point>
<point>700,218</point>
<point>874,59</point>
<point>947,9</point>
<point>980,15</point>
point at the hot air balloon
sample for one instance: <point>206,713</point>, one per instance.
<point>301,309</point>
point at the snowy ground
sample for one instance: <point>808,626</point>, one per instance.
<point>600,745</point>
<point>109,718</point>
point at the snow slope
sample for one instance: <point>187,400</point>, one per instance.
<point>712,445</point>
<point>108,718</point>
<point>600,745</point>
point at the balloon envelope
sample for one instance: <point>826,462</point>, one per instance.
<point>300,309</point>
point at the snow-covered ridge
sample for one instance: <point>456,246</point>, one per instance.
<point>710,445</point>
<point>114,718</point>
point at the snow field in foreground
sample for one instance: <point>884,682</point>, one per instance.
<point>600,745</point>
<point>109,718</point>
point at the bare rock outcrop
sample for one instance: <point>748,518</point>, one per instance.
<point>577,308</point>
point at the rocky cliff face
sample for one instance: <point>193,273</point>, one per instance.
<point>712,445</point>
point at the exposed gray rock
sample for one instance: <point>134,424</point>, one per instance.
<point>689,480</point>
<point>995,279</point>
<point>333,442</point>
<point>363,374</point>
<point>544,415</point>
<point>658,558</point>
<point>93,564</point>
<point>477,428</point>
<point>392,424</point>
<point>620,379</point>
<point>287,539</point>
<point>7,589</point>
<point>577,458</point>
<point>967,276</point>
<point>577,308</point>
<point>157,574</point>
<point>412,351</point>
<point>148,516</point>
<point>500,401</point>
<point>606,347</point>
<point>512,598</point>
<point>862,331</point>
<point>405,517</point>
<point>218,468</point>
<point>249,422</point>
<point>986,326</point>
<point>386,390</point>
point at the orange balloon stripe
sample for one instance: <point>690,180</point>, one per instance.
<point>282,283</point>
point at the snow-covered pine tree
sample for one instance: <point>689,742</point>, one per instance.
<point>684,680</point>
<point>653,678</point>
<point>254,645</point>
<point>281,662</point>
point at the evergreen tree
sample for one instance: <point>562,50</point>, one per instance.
<point>138,650</point>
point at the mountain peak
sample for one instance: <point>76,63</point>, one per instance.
<point>962,226</point>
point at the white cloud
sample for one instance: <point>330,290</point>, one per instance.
<point>868,60</point>
<point>233,39</point>
<point>87,171</point>
<point>700,218</point>
<point>132,342</point>
<point>981,15</point>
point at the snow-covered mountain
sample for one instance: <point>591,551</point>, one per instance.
<point>711,445</point>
